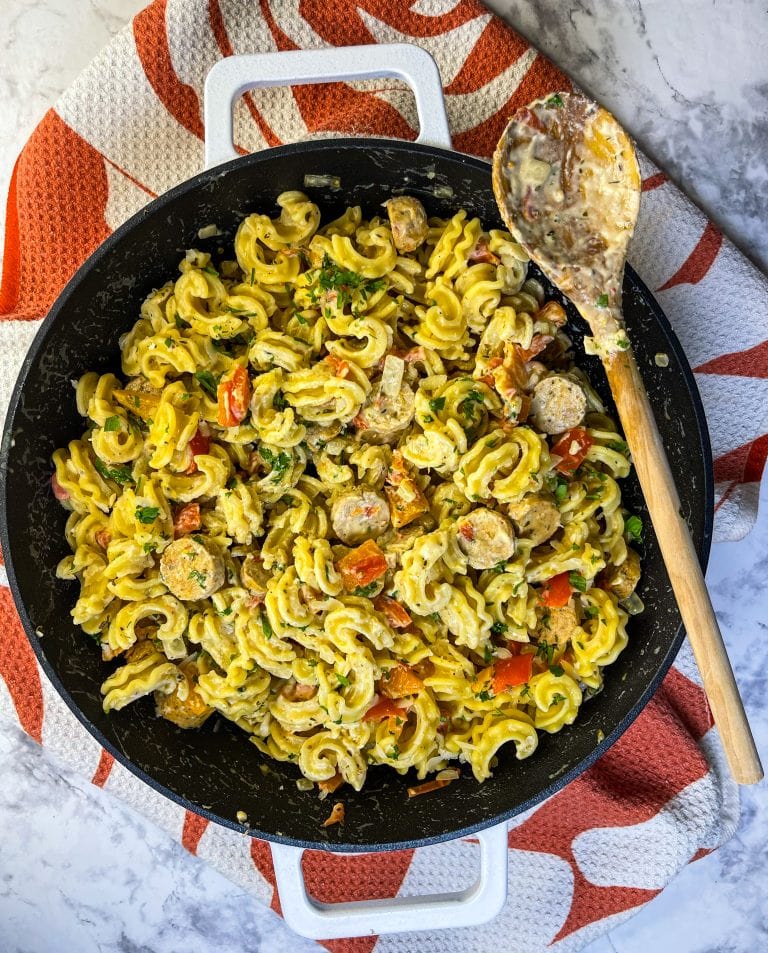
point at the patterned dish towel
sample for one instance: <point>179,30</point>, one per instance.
<point>128,129</point>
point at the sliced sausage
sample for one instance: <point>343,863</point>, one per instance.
<point>486,538</point>
<point>359,515</point>
<point>386,416</point>
<point>558,404</point>
<point>557,625</point>
<point>409,222</point>
<point>190,570</point>
<point>535,520</point>
<point>622,580</point>
<point>192,711</point>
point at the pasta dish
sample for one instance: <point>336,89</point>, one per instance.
<point>352,493</point>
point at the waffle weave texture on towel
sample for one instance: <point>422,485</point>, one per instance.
<point>128,129</point>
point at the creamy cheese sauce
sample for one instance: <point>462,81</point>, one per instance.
<point>567,182</point>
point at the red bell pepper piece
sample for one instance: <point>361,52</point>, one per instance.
<point>234,395</point>
<point>556,591</point>
<point>572,448</point>
<point>362,566</point>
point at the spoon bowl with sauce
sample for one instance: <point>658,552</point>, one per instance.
<point>567,184</point>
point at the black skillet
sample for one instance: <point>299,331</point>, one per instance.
<point>215,771</point>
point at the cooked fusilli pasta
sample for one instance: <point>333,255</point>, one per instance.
<point>354,496</point>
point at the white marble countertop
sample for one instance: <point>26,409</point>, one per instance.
<point>80,871</point>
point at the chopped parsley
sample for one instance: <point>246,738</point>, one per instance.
<point>484,696</point>
<point>278,401</point>
<point>437,404</point>
<point>545,651</point>
<point>278,462</point>
<point>210,270</point>
<point>112,423</point>
<point>200,578</point>
<point>488,654</point>
<point>577,581</point>
<point>557,697</point>
<point>467,405</point>
<point>591,612</point>
<point>149,547</point>
<point>180,323</point>
<point>394,753</point>
<point>120,475</point>
<point>556,100</point>
<point>623,343</point>
<point>344,282</point>
<point>266,628</point>
<point>557,670</point>
<point>342,680</point>
<point>602,301</point>
<point>366,590</point>
<point>147,514</point>
<point>634,528</point>
<point>208,382</point>
<point>499,628</point>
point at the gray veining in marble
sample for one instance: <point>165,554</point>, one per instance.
<point>80,871</point>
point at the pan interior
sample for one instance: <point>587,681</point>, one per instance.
<point>214,770</point>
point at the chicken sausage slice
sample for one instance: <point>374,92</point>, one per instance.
<point>558,404</point>
<point>557,625</point>
<point>359,515</point>
<point>485,537</point>
<point>190,570</point>
<point>386,416</point>
<point>535,520</point>
<point>409,222</point>
<point>622,580</point>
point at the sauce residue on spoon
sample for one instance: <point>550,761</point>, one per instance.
<point>567,183</point>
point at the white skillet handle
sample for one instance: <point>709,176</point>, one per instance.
<point>235,75</point>
<point>329,921</point>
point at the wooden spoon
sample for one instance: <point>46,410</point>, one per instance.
<point>567,184</point>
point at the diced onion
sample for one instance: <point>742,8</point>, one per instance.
<point>392,375</point>
<point>443,192</point>
<point>209,231</point>
<point>448,774</point>
<point>242,817</point>
<point>633,604</point>
<point>304,784</point>
<point>322,181</point>
<point>661,359</point>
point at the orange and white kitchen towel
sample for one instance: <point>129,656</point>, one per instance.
<point>128,129</point>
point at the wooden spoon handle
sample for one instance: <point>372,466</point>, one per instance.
<point>682,564</point>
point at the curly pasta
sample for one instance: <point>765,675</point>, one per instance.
<point>354,496</point>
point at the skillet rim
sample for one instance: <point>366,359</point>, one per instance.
<point>201,180</point>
